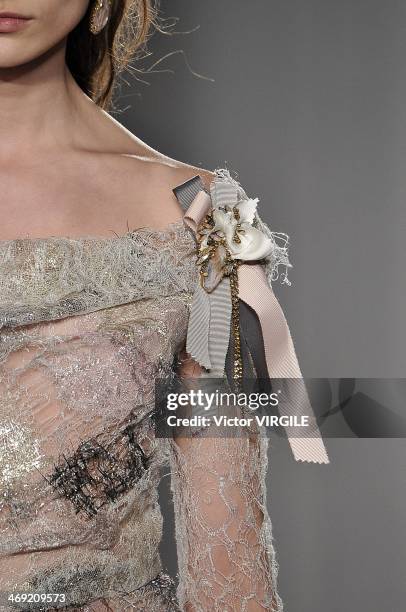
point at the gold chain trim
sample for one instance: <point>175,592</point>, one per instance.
<point>229,268</point>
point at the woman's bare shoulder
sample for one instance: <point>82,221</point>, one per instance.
<point>138,178</point>
<point>151,180</point>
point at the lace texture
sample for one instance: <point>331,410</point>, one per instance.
<point>226,556</point>
<point>51,278</point>
<point>86,326</point>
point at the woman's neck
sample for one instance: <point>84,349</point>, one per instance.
<point>39,104</point>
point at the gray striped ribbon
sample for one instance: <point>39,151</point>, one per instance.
<point>187,191</point>
<point>208,334</point>
<point>223,194</point>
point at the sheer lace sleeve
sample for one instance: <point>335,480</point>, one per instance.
<point>236,330</point>
<point>223,531</point>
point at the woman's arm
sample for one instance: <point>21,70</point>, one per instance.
<point>223,530</point>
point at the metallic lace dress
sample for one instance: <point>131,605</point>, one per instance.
<point>86,326</point>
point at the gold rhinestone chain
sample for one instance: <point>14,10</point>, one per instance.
<point>203,257</point>
<point>235,324</point>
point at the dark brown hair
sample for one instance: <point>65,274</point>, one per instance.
<point>95,61</point>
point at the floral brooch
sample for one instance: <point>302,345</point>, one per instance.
<point>226,237</point>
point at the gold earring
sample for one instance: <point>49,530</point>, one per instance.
<point>99,15</point>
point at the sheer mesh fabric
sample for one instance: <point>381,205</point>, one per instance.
<point>86,325</point>
<point>226,556</point>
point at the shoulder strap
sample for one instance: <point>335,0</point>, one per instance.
<point>187,191</point>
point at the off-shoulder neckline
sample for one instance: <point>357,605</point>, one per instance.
<point>169,228</point>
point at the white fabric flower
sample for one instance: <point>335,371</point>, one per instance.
<point>254,244</point>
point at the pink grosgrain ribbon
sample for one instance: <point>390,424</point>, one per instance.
<point>209,332</point>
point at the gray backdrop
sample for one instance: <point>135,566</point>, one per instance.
<point>308,105</point>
